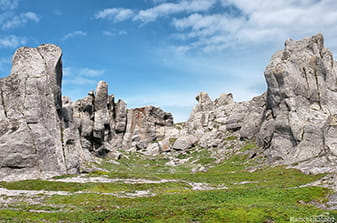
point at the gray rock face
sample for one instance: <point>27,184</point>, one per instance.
<point>30,140</point>
<point>301,102</point>
<point>209,121</point>
<point>223,112</point>
<point>103,126</point>
<point>254,117</point>
<point>185,142</point>
<point>142,126</point>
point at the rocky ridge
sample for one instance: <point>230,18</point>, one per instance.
<point>44,134</point>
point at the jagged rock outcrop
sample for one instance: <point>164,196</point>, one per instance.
<point>30,139</point>
<point>143,126</point>
<point>301,104</point>
<point>210,120</point>
<point>103,127</point>
<point>293,122</point>
<point>44,134</point>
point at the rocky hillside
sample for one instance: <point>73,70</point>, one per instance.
<point>43,134</point>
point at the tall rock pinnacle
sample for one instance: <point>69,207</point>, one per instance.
<point>30,139</point>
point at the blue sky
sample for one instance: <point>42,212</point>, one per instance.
<point>163,52</point>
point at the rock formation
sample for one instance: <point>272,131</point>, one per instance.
<point>102,126</point>
<point>30,115</point>
<point>301,105</point>
<point>210,120</point>
<point>43,134</point>
<point>294,121</point>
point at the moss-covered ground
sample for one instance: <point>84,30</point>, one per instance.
<point>254,193</point>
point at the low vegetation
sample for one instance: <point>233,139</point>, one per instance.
<point>237,189</point>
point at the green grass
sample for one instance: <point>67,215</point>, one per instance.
<point>234,205</point>
<point>94,187</point>
<point>172,140</point>
<point>231,138</point>
<point>249,147</point>
<point>270,194</point>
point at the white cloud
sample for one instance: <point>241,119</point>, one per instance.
<point>79,81</point>
<point>114,33</point>
<point>215,25</point>
<point>73,34</point>
<point>10,20</point>
<point>204,26</point>
<point>161,9</point>
<point>81,76</point>
<point>249,7</point>
<point>12,41</point>
<point>115,14</point>
<point>166,9</point>
<point>8,4</point>
<point>256,22</point>
<point>91,72</point>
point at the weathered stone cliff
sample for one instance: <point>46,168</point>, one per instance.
<point>30,111</point>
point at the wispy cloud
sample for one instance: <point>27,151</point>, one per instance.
<point>166,9</point>
<point>91,72</point>
<point>114,33</point>
<point>256,22</point>
<point>115,14</point>
<point>12,41</point>
<point>215,25</point>
<point>81,76</point>
<point>8,4</point>
<point>10,20</point>
<point>73,34</point>
<point>79,81</point>
<point>162,9</point>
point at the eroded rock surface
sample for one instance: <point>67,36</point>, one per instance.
<point>299,120</point>
<point>30,139</point>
